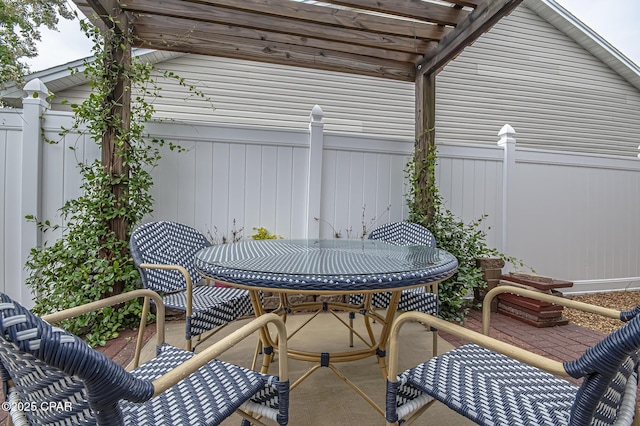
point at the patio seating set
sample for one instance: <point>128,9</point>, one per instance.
<point>52,377</point>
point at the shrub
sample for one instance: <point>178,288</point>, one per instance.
<point>466,241</point>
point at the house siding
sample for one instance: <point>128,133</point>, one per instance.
<point>524,72</point>
<point>527,73</point>
<point>244,92</point>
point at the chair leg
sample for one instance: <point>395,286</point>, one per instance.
<point>435,342</point>
<point>352,315</point>
<point>188,345</point>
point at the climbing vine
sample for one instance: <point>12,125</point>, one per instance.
<point>466,241</point>
<point>91,260</point>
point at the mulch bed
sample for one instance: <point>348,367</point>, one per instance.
<point>620,301</point>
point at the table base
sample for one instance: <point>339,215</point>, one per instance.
<point>375,344</point>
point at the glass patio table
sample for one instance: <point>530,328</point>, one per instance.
<point>326,267</point>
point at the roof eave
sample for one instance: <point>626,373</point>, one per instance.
<point>62,77</point>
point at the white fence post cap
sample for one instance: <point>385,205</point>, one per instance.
<point>507,135</point>
<point>36,89</point>
<point>317,113</point>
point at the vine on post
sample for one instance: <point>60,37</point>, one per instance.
<point>466,241</point>
<point>91,260</point>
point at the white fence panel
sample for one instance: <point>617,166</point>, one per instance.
<point>363,184</point>
<point>10,179</point>
<point>576,216</point>
<point>571,216</point>
<point>469,179</point>
<point>232,175</point>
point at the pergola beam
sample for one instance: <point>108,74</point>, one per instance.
<point>274,52</point>
<point>423,11</point>
<point>338,17</point>
<point>200,34</point>
<point>109,13</point>
<point>383,38</point>
<point>475,24</point>
<point>204,13</point>
<point>418,10</point>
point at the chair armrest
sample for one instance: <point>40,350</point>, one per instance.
<point>184,273</point>
<point>505,287</point>
<point>190,366</point>
<point>116,300</point>
<point>535,360</point>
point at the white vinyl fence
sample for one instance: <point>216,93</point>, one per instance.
<point>568,216</point>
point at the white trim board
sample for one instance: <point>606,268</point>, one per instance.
<point>603,286</point>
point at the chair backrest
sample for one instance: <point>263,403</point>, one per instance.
<point>58,376</point>
<point>608,369</point>
<point>404,234</point>
<point>167,243</point>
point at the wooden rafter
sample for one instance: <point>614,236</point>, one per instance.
<point>198,41</point>
<point>109,12</point>
<point>474,25</point>
<point>395,39</point>
<point>338,17</point>
<point>419,10</point>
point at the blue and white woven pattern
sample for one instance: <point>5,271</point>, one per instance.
<point>170,243</point>
<point>324,265</point>
<point>68,383</point>
<point>224,387</point>
<point>492,389</point>
<point>166,243</point>
<point>211,307</point>
<point>403,234</point>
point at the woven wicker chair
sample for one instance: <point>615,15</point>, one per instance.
<point>421,299</point>
<point>494,383</point>
<point>164,253</point>
<point>52,377</point>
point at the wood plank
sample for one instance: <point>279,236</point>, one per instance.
<point>341,17</point>
<point>199,42</point>
<point>421,10</point>
<point>221,32</point>
<point>206,13</point>
<point>110,14</point>
<point>425,96</point>
<point>476,24</point>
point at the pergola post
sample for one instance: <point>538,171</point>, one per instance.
<point>425,145</point>
<point>115,137</point>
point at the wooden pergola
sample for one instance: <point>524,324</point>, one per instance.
<point>408,40</point>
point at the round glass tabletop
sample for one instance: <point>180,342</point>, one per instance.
<point>337,263</point>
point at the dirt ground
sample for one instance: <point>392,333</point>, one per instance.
<point>617,300</point>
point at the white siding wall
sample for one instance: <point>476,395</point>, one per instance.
<point>557,96</point>
<point>251,93</point>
